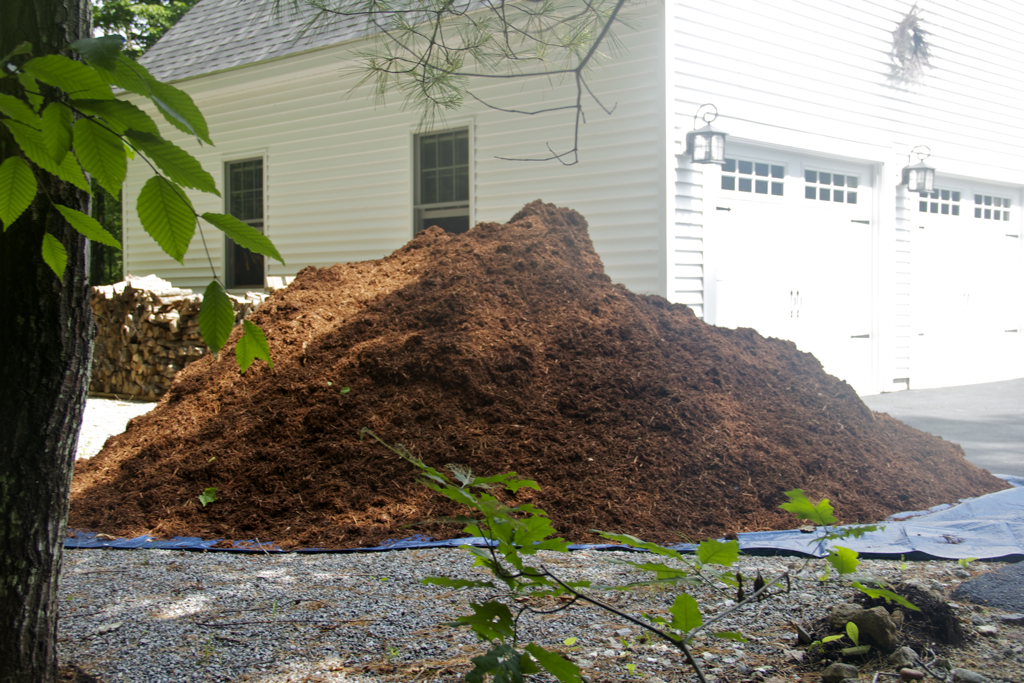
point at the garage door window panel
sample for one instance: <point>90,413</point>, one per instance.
<point>989,207</point>
<point>754,177</point>
<point>943,202</point>
<point>826,186</point>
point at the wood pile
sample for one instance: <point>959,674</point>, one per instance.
<point>147,331</point>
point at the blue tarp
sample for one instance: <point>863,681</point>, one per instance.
<point>987,528</point>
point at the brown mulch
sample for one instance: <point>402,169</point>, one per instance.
<point>505,348</point>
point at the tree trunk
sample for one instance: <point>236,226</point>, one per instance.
<point>45,354</point>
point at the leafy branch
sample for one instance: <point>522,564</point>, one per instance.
<point>67,123</point>
<point>431,51</point>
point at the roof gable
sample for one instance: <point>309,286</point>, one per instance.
<point>223,34</point>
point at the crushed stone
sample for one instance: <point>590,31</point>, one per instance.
<point>165,616</point>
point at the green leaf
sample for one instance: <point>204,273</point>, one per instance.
<point>457,583</point>
<point>23,48</point>
<point>252,345</point>
<point>102,52</point>
<point>71,172</point>
<point>179,165</point>
<point>507,480</point>
<point>717,552</point>
<point>490,621</point>
<point>244,235</point>
<point>887,595</point>
<point>57,122</point>
<point>31,142</point>
<point>179,110</point>
<point>131,76</point>
<point>853,632</point>
<point>88,226</point>
<point>31,88</point>
<point>503,663</point>
<point>119,115</point>
<point>216,317</point>
<point>555,664</point>
<point>730,635</point>
<point>799,505</point>
<point>208,496</point>
<point>101,153</point>
<point>17,110</point>
<point>55,255</point>
<point>829,639</point>
<point>74,78</point>
<point>637,543</point>
<point>167,215</point>
<point>685,613</point>
<point>17,189</point>
<point>843,560</point>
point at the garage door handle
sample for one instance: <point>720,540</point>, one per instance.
<point>860,336</point>
<point>722,208</point>
<point>861,222</point>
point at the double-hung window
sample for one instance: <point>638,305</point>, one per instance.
<point>442,181</point>
<point>243,181</point>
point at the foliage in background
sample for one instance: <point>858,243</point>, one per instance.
<point>106,265</point>
<point>68,123</point>
<point>141,24</point>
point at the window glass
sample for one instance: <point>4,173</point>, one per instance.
<point>944,202</point>
<point>244,198</point>
<point>819,184</point>
<point>734,169</point>
<point>1000,213</point>
<point>442,181</point>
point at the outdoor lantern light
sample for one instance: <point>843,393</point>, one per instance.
<point>920,177</point>
<point>706,145</point>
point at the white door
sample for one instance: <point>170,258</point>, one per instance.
<point>791,243</point>
<point>967,289</point>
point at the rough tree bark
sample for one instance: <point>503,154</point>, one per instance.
<point>45,353</point>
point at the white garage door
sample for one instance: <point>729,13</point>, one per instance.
<point>790,254</point>
<point>967,288</point>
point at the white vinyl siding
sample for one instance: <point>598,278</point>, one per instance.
<point>339,178</point>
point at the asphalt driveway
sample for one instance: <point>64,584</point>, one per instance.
<point>986,419</point>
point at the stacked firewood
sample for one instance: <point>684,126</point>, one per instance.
<point>147,331</point>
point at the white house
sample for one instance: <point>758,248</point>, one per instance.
<point>806,233</point>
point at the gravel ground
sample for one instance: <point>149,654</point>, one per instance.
<point>159,616</point>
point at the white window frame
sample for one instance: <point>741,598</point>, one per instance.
<point>421,211</point>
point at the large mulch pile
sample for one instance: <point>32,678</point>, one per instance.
<point>506,348</point>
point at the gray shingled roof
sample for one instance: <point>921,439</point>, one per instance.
<point>222,34</point>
